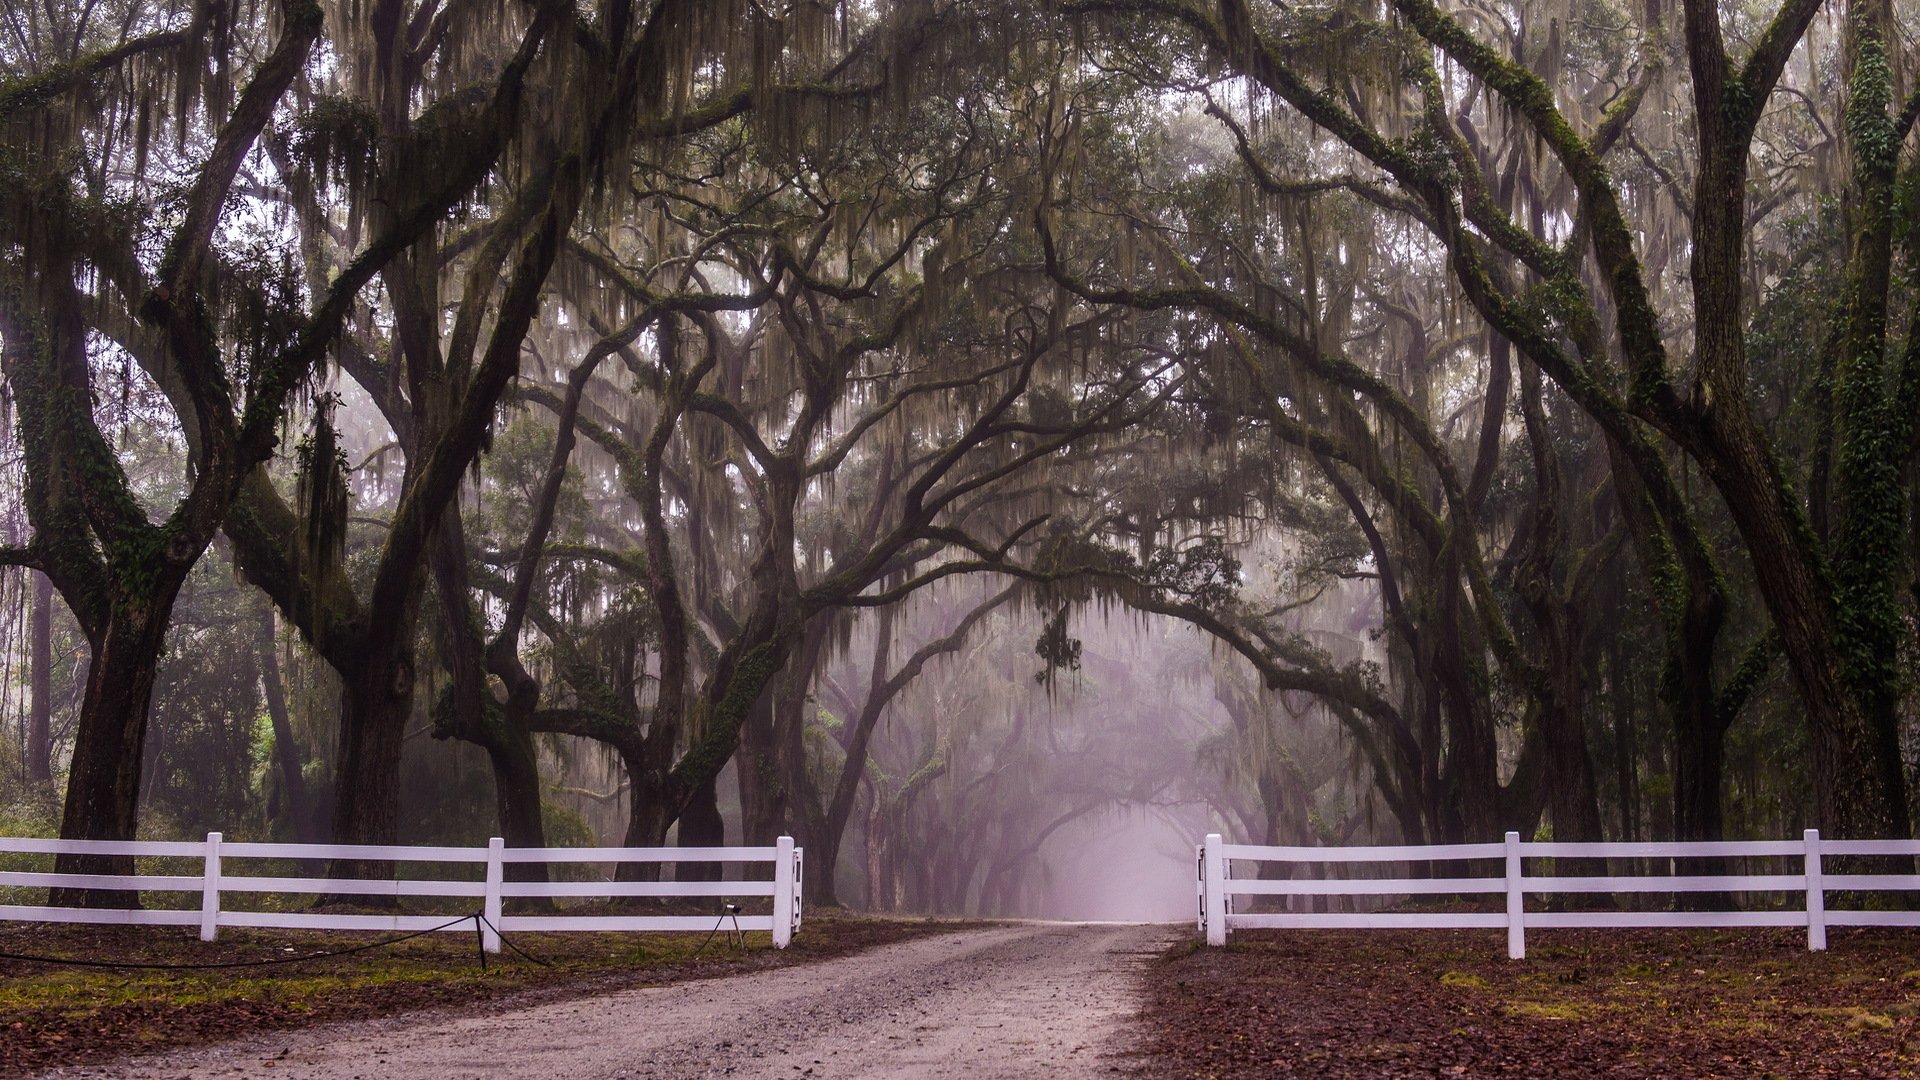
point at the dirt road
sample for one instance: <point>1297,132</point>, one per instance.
<point>1052,1000</point>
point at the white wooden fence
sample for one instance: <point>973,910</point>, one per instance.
<point>1218,886</point>
<point>216,879</point>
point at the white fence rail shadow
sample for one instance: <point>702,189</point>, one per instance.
<point>489,891</point>
<point>1218,886</point>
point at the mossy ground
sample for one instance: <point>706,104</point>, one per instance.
<point>1736,1003</point>
<point>52,1015</point>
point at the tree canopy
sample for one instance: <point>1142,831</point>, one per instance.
<point>945,425</point>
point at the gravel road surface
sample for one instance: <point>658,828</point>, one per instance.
<point>1039,999</point>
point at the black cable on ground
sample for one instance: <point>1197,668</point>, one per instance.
<point>508,942</point>
<point>732,912</point>
<point>242,963</point>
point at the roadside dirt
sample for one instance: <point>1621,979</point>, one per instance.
<point>1738,1003</point>
<point>55,1016</point>
<point>1048,1000</point>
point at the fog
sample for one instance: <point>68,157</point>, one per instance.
<point>992,446</point>
<point>1133,868</point>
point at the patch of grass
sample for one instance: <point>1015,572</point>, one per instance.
<point>1461,978</point>
<point>1855,1018</point>
<point>1547,1010</point>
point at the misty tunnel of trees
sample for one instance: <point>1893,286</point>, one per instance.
<point>950,431</point>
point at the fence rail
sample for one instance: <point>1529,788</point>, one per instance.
<point>1217,886</point>
<point>215,881</point>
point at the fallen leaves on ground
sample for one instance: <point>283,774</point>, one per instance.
<point>1635,1003</point>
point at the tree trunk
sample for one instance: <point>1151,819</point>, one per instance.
<point>103,786</point>
<point>702,826</point>
<point>880,888</point>
<point>1575,800</point>
<point>818,884</point>
<point>1859,787</point>
<point>376,701</point>
<point>516,793</point>
<point>1574,796</point>
<point>1626,765</point>
<point>1471,771</point>
<point>471,712</point>
<point>762,802</point>
<point>648,818</point>
<point>39,744</point>
<point>1699,749</point>
<point>296,804</point>
<point>790,735</point>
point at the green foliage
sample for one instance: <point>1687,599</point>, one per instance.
<point>1204,573</point>
<point>209,737</point>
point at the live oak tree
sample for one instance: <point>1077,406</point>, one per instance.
<point>1567,286</point>
<point>103,258</point>
<point>1523,392</point>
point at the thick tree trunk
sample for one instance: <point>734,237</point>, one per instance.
<point>763,802</point>
<point>1699,767</point>
<point>823,862</point>
<point>648,819</point>
<point>702,826</point>
<point>1573,795</point>
<point>376,702</point>
<point>790,711</point>
<point>1574,801</point>
<point>1859,784</point>
<point>103,785</point>
<point>516,793</point>
<point>1626,765</point>
<point>1699,748</point>
<point>1471,770</point>
<point>39,742</point>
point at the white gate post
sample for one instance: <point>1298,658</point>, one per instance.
<point>799,884</point>
<point>1200,888</point>
<point>1214,882</point>
<point>210,889</point>
<point>1816,894</point>
<point>490,899</point>
<point>784,887</point>
<point>1516,901</point>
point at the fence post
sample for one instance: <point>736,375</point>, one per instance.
<point>1200,889</point>
<point>1214,878</point>
<point>490,902</point>
<point>799,884</point>
<point>783,890</point>
<point>1816,895</point>
<point>210,889</point>
<point>1516,901</point>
